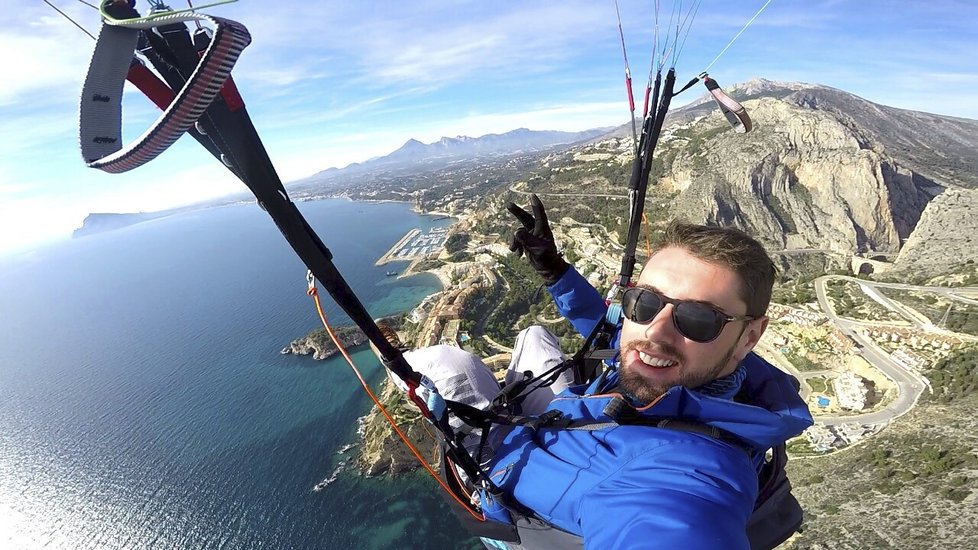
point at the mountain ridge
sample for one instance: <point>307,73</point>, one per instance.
<point>449,149</point>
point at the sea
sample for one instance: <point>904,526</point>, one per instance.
<point>144,402</point>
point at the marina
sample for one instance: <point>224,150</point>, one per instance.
<point>416,245</point>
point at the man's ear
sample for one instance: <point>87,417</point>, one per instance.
<point>751,336</point>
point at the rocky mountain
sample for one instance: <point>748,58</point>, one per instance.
<point>822,169</point>
<point>948,229</point>
<point>940,146</point>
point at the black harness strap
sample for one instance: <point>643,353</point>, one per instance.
<point>226,130</point>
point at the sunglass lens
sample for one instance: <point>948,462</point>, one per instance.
<point>640,305</point>
<point>698,322</point>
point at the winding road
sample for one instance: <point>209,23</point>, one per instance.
<point>910,385</point>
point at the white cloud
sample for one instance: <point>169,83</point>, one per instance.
<point>46,53</point>
<point>569,118</point>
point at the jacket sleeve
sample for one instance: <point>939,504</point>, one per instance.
<point>673,499</point>
<point>578,301</point>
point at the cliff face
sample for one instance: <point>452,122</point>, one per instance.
<point>802,179</point>
<point>382,451</point>
<point>948,230</point>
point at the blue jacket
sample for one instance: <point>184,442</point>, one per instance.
<point>630,486</point>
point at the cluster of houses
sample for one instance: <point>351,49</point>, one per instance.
<point>800,317</point>
<point>824,438</point>
<point>850,391</point>
<point>913,338</point>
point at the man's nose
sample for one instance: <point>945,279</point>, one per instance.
<point>661,326</point>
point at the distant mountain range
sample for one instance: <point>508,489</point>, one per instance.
<point>414,154</point>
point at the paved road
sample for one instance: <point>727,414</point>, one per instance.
<point>497,345</point>
<point>914,318</point>
<point>520,191</point>
<point>909,385</point>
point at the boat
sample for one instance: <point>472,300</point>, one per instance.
<point>391,273</point>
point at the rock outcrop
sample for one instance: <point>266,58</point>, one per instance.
<point>946,236</point>
<point>382,451</point>
<point>318,343</point>
<point>801,179</point>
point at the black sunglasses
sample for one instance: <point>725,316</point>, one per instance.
<point>694,320</point>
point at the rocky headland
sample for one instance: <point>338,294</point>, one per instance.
<point>381,450</point>
<point>318,343</point>
<point>101,222</point>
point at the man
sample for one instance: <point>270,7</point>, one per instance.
<point>614,473</point>
<point>689,326</point>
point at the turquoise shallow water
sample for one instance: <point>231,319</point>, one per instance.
<point>144,404</point>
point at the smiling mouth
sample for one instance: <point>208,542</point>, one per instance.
<point>655,361</point>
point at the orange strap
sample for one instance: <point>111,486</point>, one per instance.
<point>322,317</point>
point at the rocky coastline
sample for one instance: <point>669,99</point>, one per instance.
<point>381,450</point>
<point>318,343</point>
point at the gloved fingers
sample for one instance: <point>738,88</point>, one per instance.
<point>516,243</point>
<point>523,216</point>
<point>542,226</point>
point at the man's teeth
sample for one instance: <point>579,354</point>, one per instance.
<point>654,362</point>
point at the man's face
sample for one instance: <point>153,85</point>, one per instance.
<point>656,356</point>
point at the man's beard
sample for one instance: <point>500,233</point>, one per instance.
<point>645,391</point>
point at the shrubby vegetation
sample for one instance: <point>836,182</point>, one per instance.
<point>802,362</point>
<point>955,376</point>
<point>848,300</point>
<point>523,283</point>
<point>797,292</point>
<point>456,242</point>
<point>425,265</point>
<point>918,461</point>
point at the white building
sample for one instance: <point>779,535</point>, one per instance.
<point>850,391</point>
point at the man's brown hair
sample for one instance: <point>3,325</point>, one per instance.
<point>731,248</point>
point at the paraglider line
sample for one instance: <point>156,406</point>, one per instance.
<point>690,17</point>
<point>736,36</point>
<point>628,80</point>
<point>189,3</point>
<point>73,22</point>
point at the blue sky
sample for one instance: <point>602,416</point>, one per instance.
<point>333,82</point>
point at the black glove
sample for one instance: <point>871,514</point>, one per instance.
<point>536,240</point>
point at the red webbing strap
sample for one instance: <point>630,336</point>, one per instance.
<point>152,87</point>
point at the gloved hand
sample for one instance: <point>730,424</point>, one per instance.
<point>536,240</point>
